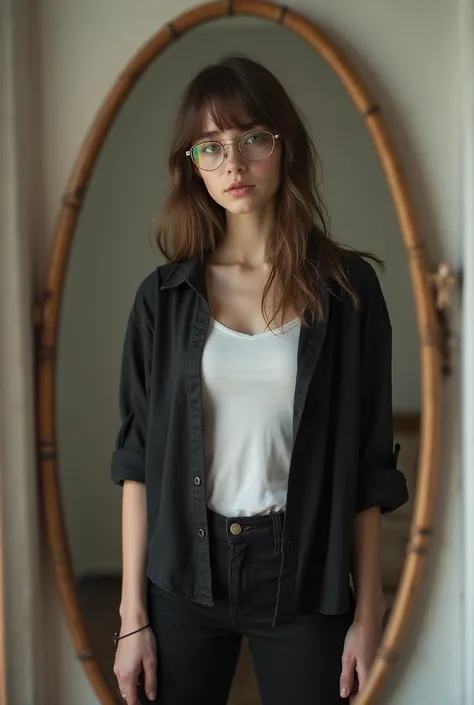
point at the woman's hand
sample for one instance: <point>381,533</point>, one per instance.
<point>360,646</point>
<point>136,653</point>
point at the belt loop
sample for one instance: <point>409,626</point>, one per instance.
<point>277,532</point>
<point>227,531</point>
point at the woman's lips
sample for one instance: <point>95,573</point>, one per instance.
<point>239,190</point>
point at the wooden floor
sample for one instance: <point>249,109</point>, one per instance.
<point>100,599</point>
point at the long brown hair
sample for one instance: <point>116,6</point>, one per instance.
<point>303,255</point>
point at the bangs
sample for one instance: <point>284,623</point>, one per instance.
<point>229,106</point>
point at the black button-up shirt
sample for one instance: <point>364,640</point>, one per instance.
<point>342,461</point>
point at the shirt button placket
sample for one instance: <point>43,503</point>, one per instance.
<point>201,531</point>
<point>198,471</point>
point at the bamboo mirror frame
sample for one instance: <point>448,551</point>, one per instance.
<point>427,317</point>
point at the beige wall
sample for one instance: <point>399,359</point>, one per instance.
<point>409,55</point>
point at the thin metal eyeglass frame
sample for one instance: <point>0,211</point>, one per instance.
<point>189,152</point>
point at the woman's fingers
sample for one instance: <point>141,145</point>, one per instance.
<point>128,690</point>
<point>127,683</point>
<point>347,677</point>
<point>362,673</point>
<point>149,670</point>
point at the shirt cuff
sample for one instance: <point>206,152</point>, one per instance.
<point>128,465</point>
<point>384,487</point>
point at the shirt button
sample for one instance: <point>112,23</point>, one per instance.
<point>197,480</point>
<point>201,532</point>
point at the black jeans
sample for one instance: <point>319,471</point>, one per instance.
<point>198,646</point>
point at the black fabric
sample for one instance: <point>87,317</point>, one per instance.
<point>342,460</point>
<point>198,647</point>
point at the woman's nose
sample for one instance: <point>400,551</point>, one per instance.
<point>234,158</point>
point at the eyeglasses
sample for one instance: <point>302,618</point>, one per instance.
<point>254,146</point>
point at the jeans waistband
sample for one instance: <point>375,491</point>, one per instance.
<point>246,529</point>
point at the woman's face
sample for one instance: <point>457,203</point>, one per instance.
<point>262,177</point>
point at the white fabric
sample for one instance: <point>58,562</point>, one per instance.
<point>248,384</point>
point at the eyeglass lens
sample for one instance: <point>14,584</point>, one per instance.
<point>254,146</point>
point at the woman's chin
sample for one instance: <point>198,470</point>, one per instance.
<point>243,207</point>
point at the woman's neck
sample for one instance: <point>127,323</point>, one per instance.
<point>246,240</point>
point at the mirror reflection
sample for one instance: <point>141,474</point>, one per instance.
<point>258,451</point>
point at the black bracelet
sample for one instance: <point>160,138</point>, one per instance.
<point>117,637</point>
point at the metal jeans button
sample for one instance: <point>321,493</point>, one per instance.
<point>235,529</point>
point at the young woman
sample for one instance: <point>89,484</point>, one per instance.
<point>256,447</point>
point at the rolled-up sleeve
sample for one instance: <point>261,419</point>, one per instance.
<point>380,482</point>
<point>128,459</point>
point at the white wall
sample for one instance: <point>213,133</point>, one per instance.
<point>408,54</point>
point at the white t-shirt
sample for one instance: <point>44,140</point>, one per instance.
<point>248,384</point>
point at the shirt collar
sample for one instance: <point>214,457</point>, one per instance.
<point>177,272</point>
<point>192,270</point>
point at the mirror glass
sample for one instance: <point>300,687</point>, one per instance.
<point>114,249</point>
